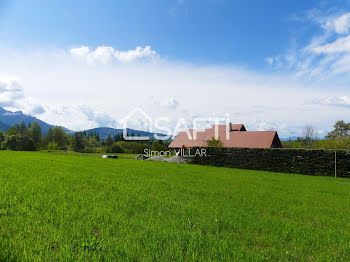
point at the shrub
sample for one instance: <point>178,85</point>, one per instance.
<point>215,142</point>
<point>52,146</point>
<point>18,143</point>
<point>115,148</point>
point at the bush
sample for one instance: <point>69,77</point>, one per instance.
<point>215,142</point>
<point>52,146</point>
<point>301,161</point>
<point>124,145</point>
<point>158,146</point>
<point>115,148</point>
<point>3,146</point>
<point>18,143</point>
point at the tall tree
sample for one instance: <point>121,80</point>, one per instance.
<point>77,142</point>
<point>341,130</point>
<point>22,128</point>
<point>35,134</point>
<point>109,141</point>
<point>59,137</point>
<point>13,130</point>
<point>2,137</point>
<point>309,136</point>
<point>48,138</point>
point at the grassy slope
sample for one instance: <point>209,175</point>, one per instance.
<point>55,206</point>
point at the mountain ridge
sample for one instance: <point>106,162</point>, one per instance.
<point>103,132</point>
<point>9,118</point>
<point>3,127</point>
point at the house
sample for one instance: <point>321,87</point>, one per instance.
<point>238,137</point>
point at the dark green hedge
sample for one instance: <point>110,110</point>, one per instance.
<point>301,161</point>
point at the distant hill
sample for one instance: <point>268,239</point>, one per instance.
<point>103,132</point>
<point>8,118</point>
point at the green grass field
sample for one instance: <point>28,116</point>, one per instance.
<point>67,207</point>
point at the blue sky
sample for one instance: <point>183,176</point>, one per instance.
<point>213,31</point>
<point>270,64</point>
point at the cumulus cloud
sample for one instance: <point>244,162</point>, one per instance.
<point>63,92</point>
<point>326,55</point>
<point>76,117</point>
<point>138,53</point>
<point>340,24</point>
<point>98,117</point>
<point>107,54</point>
<point>82,51</point>
<point>12,97</point>
<point>172,103</point>
<point>10,92</point>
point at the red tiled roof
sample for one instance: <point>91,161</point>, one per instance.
<point>242,138</point>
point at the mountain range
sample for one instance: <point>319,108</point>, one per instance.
<point>9,118</point>
<point>103,132</point>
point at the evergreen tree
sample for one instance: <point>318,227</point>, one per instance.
<point>2,137</point>
<point>48,138</point>
<point>109,141</point>
<point>78,142</point>
<point>22,128</point>
<point>35,134</point>
<point>59,137</point>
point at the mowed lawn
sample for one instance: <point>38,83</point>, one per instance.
<point>75,207</point>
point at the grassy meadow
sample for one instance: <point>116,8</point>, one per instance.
<point>67,207</point>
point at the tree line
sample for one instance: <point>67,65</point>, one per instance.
<point>338,138</point>
<point>24,137</point>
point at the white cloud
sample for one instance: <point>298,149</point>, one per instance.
<point>340,24</point>
<point>326,56</point>
<point>98,117</point>
<point>172,103</point>
<point>342,44</point>
<point>138,53</point>
<point>10,92</point>
<point>107,54</point>
<point>269,60</point>
<point>82,51</point>
<point>342,101</point>
<point>79,96</point>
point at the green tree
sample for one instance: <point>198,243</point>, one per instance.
<point>23,128</point>
<point>78,142</point>
<point>341,130</point>
<point>158,146</point>
<point>48,137</point>
<point>35,134</point>
<point>13,130</point>
<point>60,137</point>
<point>2,137</point>
<point>115,148</point>
<point>109,141</point>
<point>215,142</point>
<point>19,143</point>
